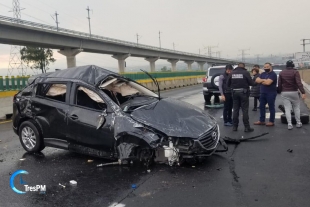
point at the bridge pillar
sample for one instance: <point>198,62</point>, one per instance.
<point>121,61</point>
<point>189,64</point>
<point>201,65</point>
<point>70,55</point>
<point>173,64</point>
<point>152,61</point>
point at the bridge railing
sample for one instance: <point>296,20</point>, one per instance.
<point>15,83</point>
<point>97,37</point>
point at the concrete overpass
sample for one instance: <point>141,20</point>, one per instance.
<point>70,43</point>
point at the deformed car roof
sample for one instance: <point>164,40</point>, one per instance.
<point>90,74</point>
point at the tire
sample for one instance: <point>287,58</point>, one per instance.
<point>213,81</point>
<point>304,118</point>
<point>30,137</point>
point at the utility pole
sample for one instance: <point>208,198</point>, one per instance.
<point>159,40</point>
<point>304,44</point>
<point>15,62</point>
<point>209,50</point>
<point>138,37</point>
<point>56,19</point>
<point>173,46</point>
<point>257,57</point>
<point>243,54</point>
<point>88,21</point>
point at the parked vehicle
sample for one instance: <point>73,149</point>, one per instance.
<point>211,82</point>
<point>94,111</point>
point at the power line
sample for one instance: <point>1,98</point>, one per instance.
<point>243,54</point>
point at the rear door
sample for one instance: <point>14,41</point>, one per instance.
<point>87,107</point>
<point>49,106</point>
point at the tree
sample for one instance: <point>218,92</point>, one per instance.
<point>38,57</point>
<point>165,69</point>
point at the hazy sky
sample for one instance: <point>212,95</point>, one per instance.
<point>265,26</point>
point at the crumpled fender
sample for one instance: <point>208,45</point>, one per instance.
<point>125,126</point>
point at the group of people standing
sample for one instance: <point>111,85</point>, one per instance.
<point>234,86</point>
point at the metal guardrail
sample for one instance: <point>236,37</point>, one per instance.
<point>13,83</point>
<point>97,37</point>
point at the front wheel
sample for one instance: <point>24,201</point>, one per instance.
<point>30,138</point>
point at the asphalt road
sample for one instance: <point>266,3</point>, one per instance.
<point>255,173</point>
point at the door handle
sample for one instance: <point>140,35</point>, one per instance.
<point>74,117</point>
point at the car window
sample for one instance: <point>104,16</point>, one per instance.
<point>88,98</point>
<point>55,92</point>
<point>213,71</point>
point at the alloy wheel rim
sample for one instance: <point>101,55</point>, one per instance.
<point>28,138</point>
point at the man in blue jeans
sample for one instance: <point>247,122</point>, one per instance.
<point>268,94</point>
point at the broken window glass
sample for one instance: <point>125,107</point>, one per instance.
<point>88,98</point>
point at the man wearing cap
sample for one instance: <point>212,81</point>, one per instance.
<point>268,94</point>
<point>289,83</point>
<point>240,81</point>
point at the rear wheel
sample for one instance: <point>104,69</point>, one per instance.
<point>30,138</point>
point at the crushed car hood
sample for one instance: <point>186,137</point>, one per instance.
<point>174,118</point>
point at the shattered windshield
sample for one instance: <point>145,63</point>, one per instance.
<point>127,94</point>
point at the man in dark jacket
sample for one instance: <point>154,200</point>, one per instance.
<point>240,81</point>
<point>289,83</point>
<point>226,96</point>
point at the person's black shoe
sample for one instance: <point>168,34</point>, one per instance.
<point>235,128</point>
<point>208,103</point>
<point>248,129</point>
<point>255,109</point>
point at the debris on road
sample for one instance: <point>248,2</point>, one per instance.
<point>148,171</point>
<point>290,150</point>
<point>133,186</point>
<point>62,185</point>
<point>111,163</point>
<point>90,160</point>
<point>219,169</point>
<point>73,182</point>
<point>22,159</point>
<point>1,160</point>
<point>237,141</point>
<point>193,166</point>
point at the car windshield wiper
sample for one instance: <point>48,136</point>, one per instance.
<point>154,80</point>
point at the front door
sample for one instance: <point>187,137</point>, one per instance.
<point>86,110</point>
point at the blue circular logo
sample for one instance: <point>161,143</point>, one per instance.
<point>21,181</point>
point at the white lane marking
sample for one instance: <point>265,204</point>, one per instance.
<point>278,115</point>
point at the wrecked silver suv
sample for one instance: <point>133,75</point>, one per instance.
<point>97,112</point>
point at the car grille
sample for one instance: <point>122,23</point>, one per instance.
<point>207,140</point>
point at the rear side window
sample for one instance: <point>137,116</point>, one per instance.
<point>55,92</point>
<point>213,71</point>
